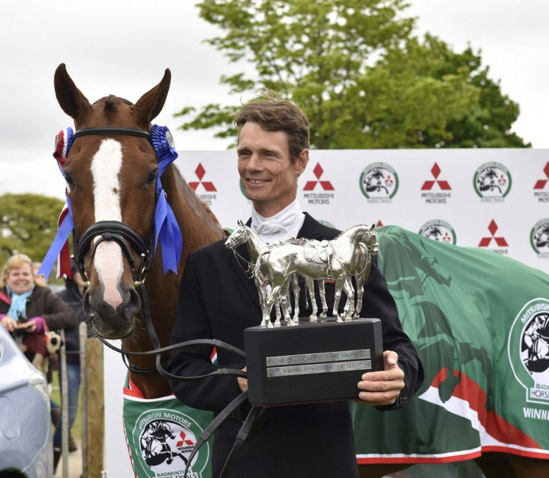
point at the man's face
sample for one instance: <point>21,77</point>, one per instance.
<point>267,174</point>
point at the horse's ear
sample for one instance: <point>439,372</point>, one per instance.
<point>70,98</point>
<point>240,223</point>
<point>151,103</point>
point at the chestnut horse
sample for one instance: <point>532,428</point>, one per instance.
<point>112,172</point>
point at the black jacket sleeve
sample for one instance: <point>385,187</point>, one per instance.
<point>212,393</point>
<point>378,302</point>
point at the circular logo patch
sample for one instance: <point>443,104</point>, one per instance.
<point>165,439</point>
<point>539,237</point>
<point>492,181</point>
<point>378,181</point>
<point>438,230</point>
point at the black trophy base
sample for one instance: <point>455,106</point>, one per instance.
<point>311,362</point>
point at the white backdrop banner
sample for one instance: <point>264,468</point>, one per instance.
<point>497,199</point>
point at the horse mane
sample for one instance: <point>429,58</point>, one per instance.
<point>181,183</point>
<point>356,226</point>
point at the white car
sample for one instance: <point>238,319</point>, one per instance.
<point>25,428</point>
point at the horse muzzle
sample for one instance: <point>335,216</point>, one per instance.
<point>108,321</point>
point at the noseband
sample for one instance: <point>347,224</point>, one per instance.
<point>121,234</point>
<point>115,231</point>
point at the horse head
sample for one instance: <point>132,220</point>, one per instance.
<point>111,172</point>
<point>369,239</point>
<point>239,236</point>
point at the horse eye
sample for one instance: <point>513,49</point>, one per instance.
<point>69,181</point>
<point>151,178</point>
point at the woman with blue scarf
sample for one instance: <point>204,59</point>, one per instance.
<point>28,310</point>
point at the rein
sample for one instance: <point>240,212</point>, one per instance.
<point>249,271</point>
<point>158,350</point>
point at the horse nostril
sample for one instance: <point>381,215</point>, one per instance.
<point>134,303</point>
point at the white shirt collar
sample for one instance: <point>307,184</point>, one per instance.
<point>283,225</point>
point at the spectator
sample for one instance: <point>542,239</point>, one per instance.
<point>30,311</point>
<point>39,279</point>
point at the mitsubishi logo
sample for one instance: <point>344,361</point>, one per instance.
<point>500,241</point>
<point>443,185</point>
<point>318,172</point>
<point>200,172</point>
<point>540,183</point>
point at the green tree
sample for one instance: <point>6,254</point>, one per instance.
<point>28,224</point>
<point>358,73</point>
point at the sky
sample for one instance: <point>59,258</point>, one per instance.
<point>123,48</point>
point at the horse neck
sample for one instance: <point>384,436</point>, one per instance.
<point>198,229</point>
<point>348,240</point>
<point>255,245</point>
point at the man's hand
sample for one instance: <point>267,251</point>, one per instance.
<point>383,387</point>
<point>243,382</point>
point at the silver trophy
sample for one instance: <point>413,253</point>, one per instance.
<point>314,362</point>
<point>275,267</point>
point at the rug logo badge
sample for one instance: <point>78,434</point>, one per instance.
<point>528,350</point>
<point>165,439</point>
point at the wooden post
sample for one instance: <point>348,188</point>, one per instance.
<point>95,407</point>
<point>83,336</point>
<point>63,381</point>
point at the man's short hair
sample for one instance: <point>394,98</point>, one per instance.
<point>279,115</point>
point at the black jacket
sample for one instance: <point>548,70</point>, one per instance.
<point>218,301</point>
<point>43,303</point>
<point>71,296</point>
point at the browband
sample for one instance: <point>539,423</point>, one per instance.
<point>107,130</point>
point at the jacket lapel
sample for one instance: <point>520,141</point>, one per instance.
<point>312,229</point>
<point>240,264</point>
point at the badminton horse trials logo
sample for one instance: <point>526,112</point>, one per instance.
<point>492,182</point>
<point>539,238</point>
<point>528,350</point>
<point>438,230</point>
<point>165,439</point>
<point>378,182</point>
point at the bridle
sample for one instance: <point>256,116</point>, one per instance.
<point>125,236</point>
<point>116,231</point>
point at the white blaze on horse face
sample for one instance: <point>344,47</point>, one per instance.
<point>108,262</point>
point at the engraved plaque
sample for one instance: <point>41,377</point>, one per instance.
<point>311,362</point>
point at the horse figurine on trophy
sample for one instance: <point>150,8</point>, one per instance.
<point>348,255</point>
<point>244,235</point>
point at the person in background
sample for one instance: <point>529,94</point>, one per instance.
<point>39,279</point>
<point>29,311</point>
<point>72,295</point>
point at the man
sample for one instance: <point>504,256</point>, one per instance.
<point>217,300</point>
